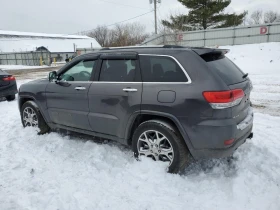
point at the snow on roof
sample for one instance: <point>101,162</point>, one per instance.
<point>15,41</point>
<point>52,44</point>
<point>31,34</point>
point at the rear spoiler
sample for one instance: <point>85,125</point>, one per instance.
<point>203,51</point>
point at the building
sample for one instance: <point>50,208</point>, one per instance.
<point>28,48</point>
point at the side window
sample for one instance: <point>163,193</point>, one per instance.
<point>118,71</point>
<point>82,71</point>
<point>161,69</point>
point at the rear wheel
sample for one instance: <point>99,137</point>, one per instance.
<point>31,116</point>
<point>10,97</point>
<point>160,142</point>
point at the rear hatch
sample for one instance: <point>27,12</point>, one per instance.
<point>232,76</point>
<point>3,81</point>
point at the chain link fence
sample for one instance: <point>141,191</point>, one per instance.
<point>34,58</point>
<point>25,58</point>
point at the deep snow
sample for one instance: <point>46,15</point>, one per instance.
<point>61,171</point>
<point>55,171</point>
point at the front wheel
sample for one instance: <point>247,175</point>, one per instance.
<point>31,116</point>
<point>160,142</point>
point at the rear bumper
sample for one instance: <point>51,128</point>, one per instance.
<point>9,90</point>
<point>222,153</point>
<point>209,136</point>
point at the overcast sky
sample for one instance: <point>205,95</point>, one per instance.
<point>64,16</point>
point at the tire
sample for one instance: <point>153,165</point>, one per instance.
<point>181,155</point>
<point>41,124</point>
<point>10,97</point>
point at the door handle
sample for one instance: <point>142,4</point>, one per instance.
<point>80,88</point>
<point>130,90</point>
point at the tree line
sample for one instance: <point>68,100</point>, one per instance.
<point>202,14</point>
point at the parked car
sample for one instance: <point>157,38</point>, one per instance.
<point>169,103</point>
<point>8,86</point>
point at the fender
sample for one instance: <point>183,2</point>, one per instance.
<point>160,114</point>
<point>34,103</point>
<point>166,124</point>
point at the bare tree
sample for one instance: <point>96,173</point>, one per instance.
<point>257,17</point>
<point>271,17</point>
<point>120,35</point>
<point>100,33</point>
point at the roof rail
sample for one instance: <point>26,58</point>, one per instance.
<point>149,46</point>
<point>173,46</point>
<point>131,47</point>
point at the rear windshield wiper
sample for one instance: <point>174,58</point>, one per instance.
<point>245,75</point>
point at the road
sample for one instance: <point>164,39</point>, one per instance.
<point>27,74</point>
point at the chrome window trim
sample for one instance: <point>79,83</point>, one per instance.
<point>169,83</point>
<point>70,82</point>
<point>166,83</point>
<point>182,68</point>
<point>102,82</point>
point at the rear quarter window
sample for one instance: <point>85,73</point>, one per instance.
<point>161,69</point>
<point>224,67</point>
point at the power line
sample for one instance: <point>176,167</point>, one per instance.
<point>121,21</point>
<point>130,18</point>
<point>126,5</point>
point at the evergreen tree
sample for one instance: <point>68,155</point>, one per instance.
<point>204,14</point>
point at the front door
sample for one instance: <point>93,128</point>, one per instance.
<point>67,98</point>
<point>116,95</point>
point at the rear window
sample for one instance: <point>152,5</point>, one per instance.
<point>224,67</point>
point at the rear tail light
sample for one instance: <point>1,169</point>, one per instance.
<point>228,142</point>
<point>9,78</point>
<point>223,99</point>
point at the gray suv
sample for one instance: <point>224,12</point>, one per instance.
<point>169,103</point>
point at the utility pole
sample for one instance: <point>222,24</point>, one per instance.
<point>155,10</point>
<point>155,6</point>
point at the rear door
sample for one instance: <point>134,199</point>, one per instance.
<point>234,78</point>
<point>116,95</point>
<point>67,99</point>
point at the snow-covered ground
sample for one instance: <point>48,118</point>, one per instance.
<point>19,67</point>
<point>262,62</point>
<point>61,171</point>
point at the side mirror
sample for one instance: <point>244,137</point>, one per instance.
<point>52,76</point>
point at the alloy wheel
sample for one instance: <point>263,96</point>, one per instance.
<point>29,117</point>
<point>155,145</point>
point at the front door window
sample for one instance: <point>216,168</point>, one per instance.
<point>82,71</point>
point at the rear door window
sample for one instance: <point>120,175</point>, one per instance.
<point>224,67</point>
<point>161,69</point>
